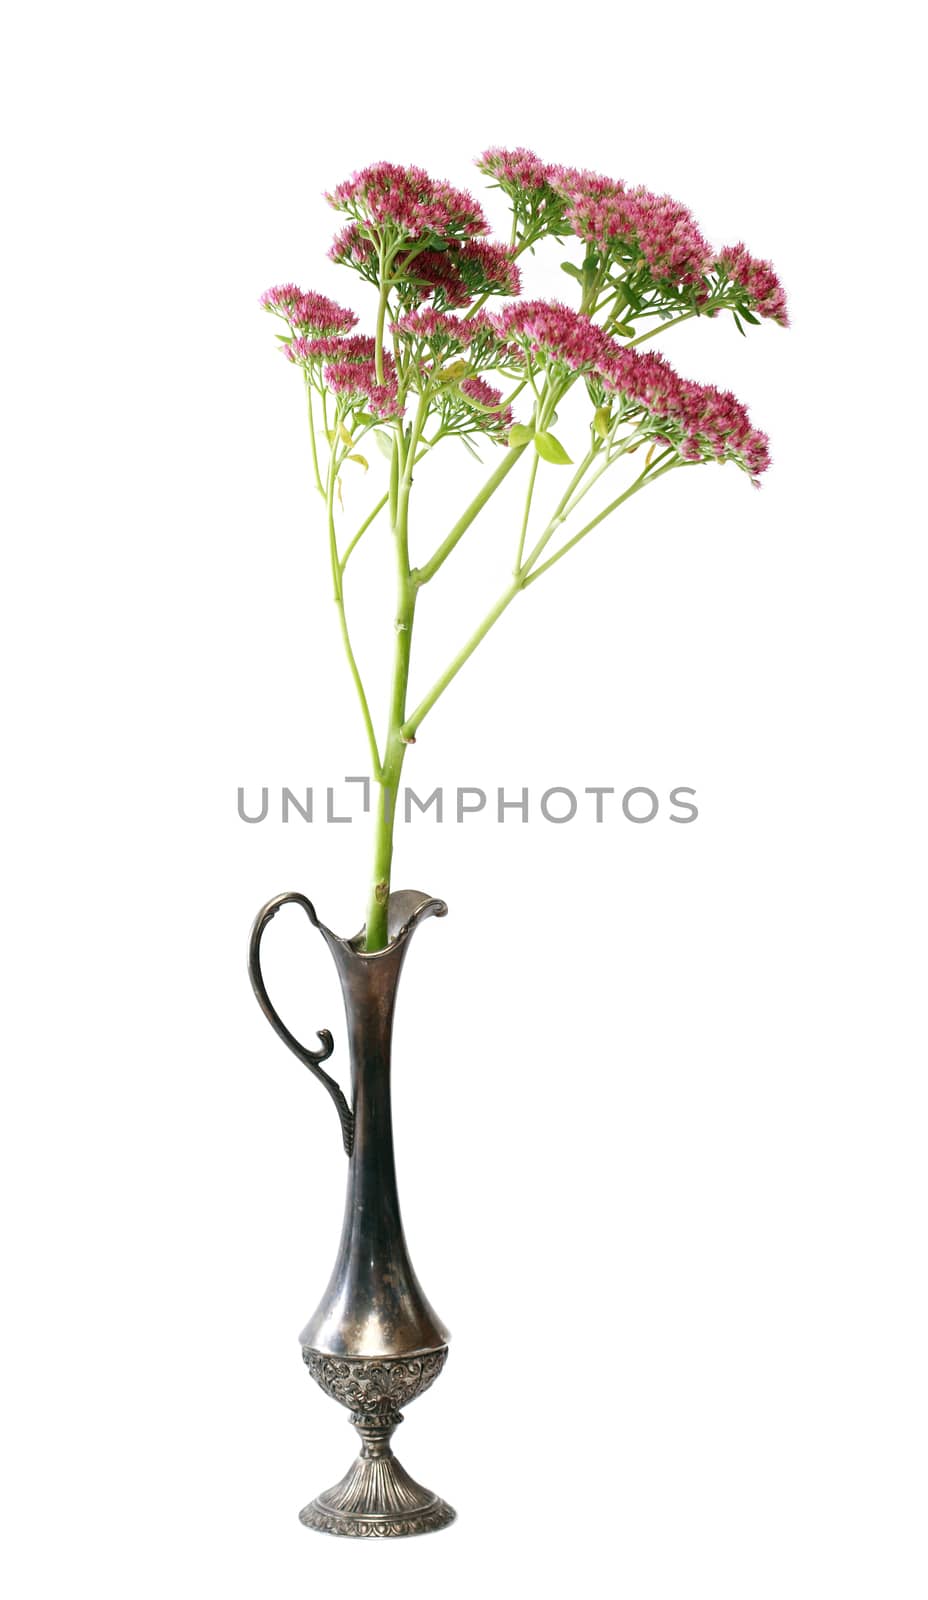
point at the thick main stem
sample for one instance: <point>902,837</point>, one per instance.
<point>387,789</point>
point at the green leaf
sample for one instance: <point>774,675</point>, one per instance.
<point>285,338</point>
<point>551,449</point>
<point>365,417</point>
<point>625,329</point>
<point>738,325</point>
<point>566,266</point>
<point>520,434</point>
<point>361,460</point>
<point>601,420</point>
<point>750,317</point>
<point>384,443</point>
<point>344,435</point>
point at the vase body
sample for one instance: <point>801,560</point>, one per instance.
<point>374,1342</point>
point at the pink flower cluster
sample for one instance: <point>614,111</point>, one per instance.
<point>309,312</point>
<point>492,421</point>
<point>764,289</point>
<point>455,276</point>
<point>517,169</point>
<point>551,329</point>
<point>452,276</point>
<point>357,380</point>
<point>449,333</point>
<point>606,213</point>
<point>352,248</point>
<point>407,199</point>
<point>704,422</point>
<point>614,217</point>
<point>359,347</point>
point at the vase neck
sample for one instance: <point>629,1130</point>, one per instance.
<point>374,1305</point>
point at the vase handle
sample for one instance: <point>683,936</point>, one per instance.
<point>310,1058</point>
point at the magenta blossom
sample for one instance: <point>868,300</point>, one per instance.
<point>634,222</point>
<point>357,380</point>
<point>700,421</point>
<point>551,329</point>
<point>359,347</point>
<point>454,277</point>
<point>407,199</point>
<point>308,313</point>
<point>493,419</point>
<point>764,290</point>
<point>516,169</point>
<point>352,248</point>
<point>439,327</point>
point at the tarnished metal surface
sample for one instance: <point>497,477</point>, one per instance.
<point>373,1342</point>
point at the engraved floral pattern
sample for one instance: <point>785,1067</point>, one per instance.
<point>371,1387</point>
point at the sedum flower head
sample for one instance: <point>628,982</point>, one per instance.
<point>634,223</point>
<point>359,347</point>
<point>526,180</point>
<point>518,169</point>
<point>444,332</point>
<point>701,422</point>
<point>492,418</point>
<point>553,331</point>
<point>408,200</point>
<point>764,292</point>
<point>357,381</point>
<point>308,313</point>
<point>455,276</point>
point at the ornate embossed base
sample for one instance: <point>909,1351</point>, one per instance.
<point>376,1498</point>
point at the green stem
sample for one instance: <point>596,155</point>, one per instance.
<point>381,318</point>
<point>438,688</point>
<point>423,574</point>
<point>528,509</point>
<point>388,780</point>
<point>661,328</point>
<point>363,529</point>
<point>343,621</point>
<point>312,436</point>
<point>521,581</point>
<point>639,483</point>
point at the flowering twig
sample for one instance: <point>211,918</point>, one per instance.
<point>422,378</point>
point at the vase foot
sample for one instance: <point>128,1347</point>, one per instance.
<point>377,1498</point>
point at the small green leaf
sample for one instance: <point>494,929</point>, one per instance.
<point>344,435</point>
<point>624,329</point>
<point>520,434</point>
<point>566,266</point>
<point>365,417</point>
<point>285,338</point>
<point>384,443</point>
<point>601,419</point>
<point>738,325</point>
<point>750,317</point>
<point>362,462</point>
<point>551,449</point>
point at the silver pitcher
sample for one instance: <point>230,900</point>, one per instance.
<point>373,1343</point>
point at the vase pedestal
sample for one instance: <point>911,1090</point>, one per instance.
<point>376,1498</point>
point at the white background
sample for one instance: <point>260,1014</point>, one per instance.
<point>660,1092</point>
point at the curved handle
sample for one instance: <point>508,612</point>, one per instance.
<point>309,1058</point>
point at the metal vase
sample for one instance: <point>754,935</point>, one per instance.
<point>373,1343</point>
